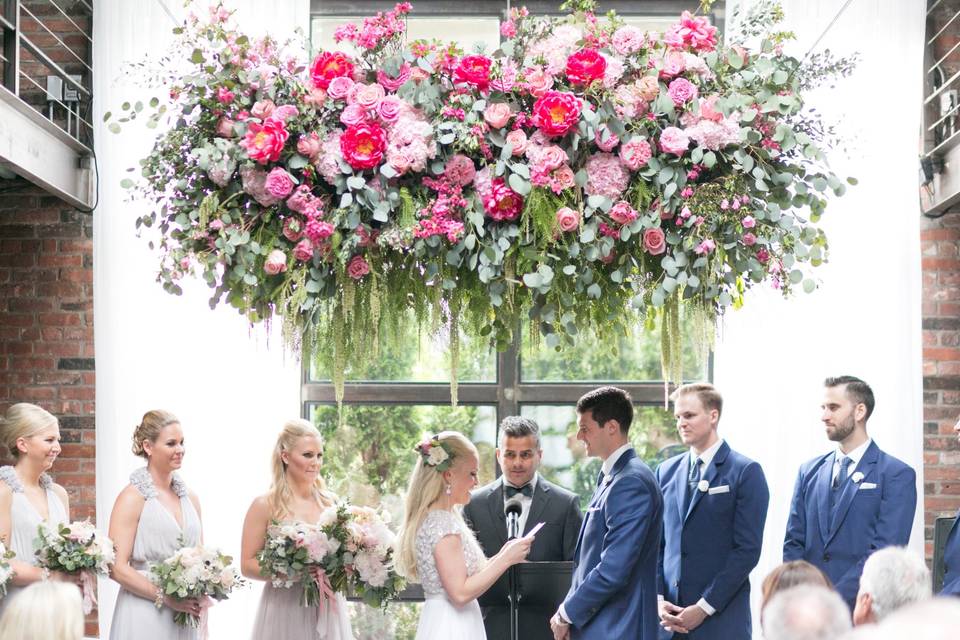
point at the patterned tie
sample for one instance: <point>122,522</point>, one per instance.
<point>600,478</point>
<point>693,479</point>
<point>836,488</point>
<point>526,490</point>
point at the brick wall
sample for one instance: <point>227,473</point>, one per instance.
<point>46,327</point>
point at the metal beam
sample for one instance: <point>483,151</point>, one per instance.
<point>38,150</point>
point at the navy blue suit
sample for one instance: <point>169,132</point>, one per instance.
<point>613,594</point>
<point>709,550</point>
<point>874,513</point>
<point>951,557</point>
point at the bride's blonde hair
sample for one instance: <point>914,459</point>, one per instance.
<point>426,486</point>
<point>280,494</point>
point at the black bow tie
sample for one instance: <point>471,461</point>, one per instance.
<point>511,491</point>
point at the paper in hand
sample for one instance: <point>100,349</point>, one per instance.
<point>533,531</point>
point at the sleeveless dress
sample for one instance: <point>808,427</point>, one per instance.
<point>281,617</point>
<point>158,537</point>
<point>440,619</point>
<point>24,520</point>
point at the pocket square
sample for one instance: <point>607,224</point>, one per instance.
<point>725,488</point>
<point>868,485</point>
<point>592,509</point>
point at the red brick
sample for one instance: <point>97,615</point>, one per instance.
<point>78,393</point>
<point>941,354</point>
<point>940,234</point>
<point>26,305</point>
<point>17,348</point>
<point>59,319</point>
<point>60,260</point>
<point>62,349</point>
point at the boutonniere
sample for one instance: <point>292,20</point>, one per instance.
<point>702,486</point>
<point>857,477</point>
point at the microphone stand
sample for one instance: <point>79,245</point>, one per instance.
<point>513,523</point>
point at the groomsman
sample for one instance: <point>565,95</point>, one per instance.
<point>714,509</point>
<point>851,501</point>
<point>951,554</point>
<point>519,454</point>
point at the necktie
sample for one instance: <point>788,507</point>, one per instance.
<point>693,479</point>
<point>838,480</point>
<point>600,478</point>
<point>511,491</point>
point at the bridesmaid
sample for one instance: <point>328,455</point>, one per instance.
<point>27,494</point>
<point>297,494</point>
<point>153,517</point>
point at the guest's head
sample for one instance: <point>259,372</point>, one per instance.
<point>892,578</point>
<point>791,574</point>
<point>159,439</point>
<point>847,405</point>
<point>519,451</point>
<point>697,408</point>
<point>445,472</point>
<point>295,462</point>
<point>31,434</point>
<point>44,611</point>
<point>806,612</point>
<point>931,619</point>
<point>604,416</point>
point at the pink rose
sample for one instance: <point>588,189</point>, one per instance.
<point>292,229</point>
<point>551,157</point>
<point>654,241</point>
<point>357,267</point>
<point>316,97</point>
<point>275,263</point>
<point>389,108</point>
<point>279,183</point>
<point>497,114</point>
<point>368,96</point>
<point>309,146</point>
<point>460,169</point>
<point>748,222</point>
<point>627,40</point>
<point>303,251</point>
<point>302,201</point>
<point>674,140</point>
<point>562,179</point>
<point>285,112</point>
<point>705,247</point>
<point>224,95</point>
<point>635,153</point>
<point>225,128</point>
<point>623,213</point>
<point>681,91</point>
<point>673,64</point>
<point>537,81</point>
<point>749,239</point>
<point>262,109</point>
<point>353,115</point>
<point>568,219</point>
<point>708,109</point>
<point>508,29</point>
<point>518,140</point>
<point>648,87</point>
<point>340,87</point>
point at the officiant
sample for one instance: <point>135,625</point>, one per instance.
<point>519,454</point>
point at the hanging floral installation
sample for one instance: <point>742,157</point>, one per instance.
<point>585,176</point>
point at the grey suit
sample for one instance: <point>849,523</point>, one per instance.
<point>559,509</point>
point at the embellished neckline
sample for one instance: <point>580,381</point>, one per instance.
<point>8,474</point>
<point>143,481</point>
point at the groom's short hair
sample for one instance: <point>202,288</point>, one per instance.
<point>608,403</point>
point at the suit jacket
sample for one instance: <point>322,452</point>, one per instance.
<point>871,514</point>
<point>951,558</point>
<point>559,509</point>
<point>709,550</point>
<point>614,588</point>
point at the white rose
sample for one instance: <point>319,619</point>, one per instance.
<point>857,477</point>
<point>703,486</point>
<point>437,456</point>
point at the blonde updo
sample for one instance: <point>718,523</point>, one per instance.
<point>149,429</point>
<point>23,420</point>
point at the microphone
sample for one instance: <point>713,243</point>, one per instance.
<point>513,509</point>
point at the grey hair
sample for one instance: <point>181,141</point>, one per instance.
<point>518,427</point>
<point>894,577</point>
<point>806,612</point>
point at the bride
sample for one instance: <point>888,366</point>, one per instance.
<point>437,549</point>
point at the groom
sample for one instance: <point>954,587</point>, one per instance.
<point>614,590</point>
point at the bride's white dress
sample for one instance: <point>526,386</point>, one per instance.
<point>440,619</point>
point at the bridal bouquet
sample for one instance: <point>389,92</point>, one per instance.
<point>6,571</point>
<point>77,548</point>
<point>196,572</point>
<point>349,549</point>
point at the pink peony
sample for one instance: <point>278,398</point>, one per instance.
<point>681,91</point>
<point>557,112</point>
<point>627,40</point>
<point>340,87</point>
<point>508,29</point>
<point>473,71</point>
<point>303,251</point>
<point>635,153</point>
<point>585,66</point>
<point>253,182</point>
<point>357,267</point>
<point>318,231</point>
<point>275,263</point>
<point>654,241</point>
<point>502,202</point>
<point>497,114</point>
<point>517,139</point>
<point>749,239</point>
<point>279,183</point>
<point>568,219</point>
<point>265,142</point>
<point>262,109</point>
<point>460,169</point>
<point>623,213</point>
<point>328,66</point>
<point>692,32</point>
<point>606,176</point>
<point>363,145</point>
<point>674,140</point>
<point>309,146</point>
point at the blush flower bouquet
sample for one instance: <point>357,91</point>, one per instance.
<point>584,175</point>
<point>6,571</point>
<point>196,572</point>
<point>77,548</point>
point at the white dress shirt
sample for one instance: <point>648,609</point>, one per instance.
<point>853,459</point>
<point>524,500</point>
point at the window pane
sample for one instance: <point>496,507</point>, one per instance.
<point>466,31</point>
<point>415,356</point>
<point>564,457</point>
<point>629,358</point>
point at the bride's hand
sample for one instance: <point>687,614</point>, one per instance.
<point>516,550</point>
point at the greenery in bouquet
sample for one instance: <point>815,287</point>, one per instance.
<point>371,543</point>
<point>78,548</point>
<point>6,571</point>
<point>586,175</point>
<point>196,572</point>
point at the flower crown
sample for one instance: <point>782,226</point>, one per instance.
<point>435,453</point>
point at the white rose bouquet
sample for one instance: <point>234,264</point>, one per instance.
<point>196,572</point>
<point>78,548</point>
<point>6,571</point>
<point>371,543</point>
<point>305,554</point>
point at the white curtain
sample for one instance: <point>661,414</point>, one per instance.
<point>232,386</point>
<point>864,320</point>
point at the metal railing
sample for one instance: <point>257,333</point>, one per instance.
<point>941,106</point>
<point>46,59</point>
